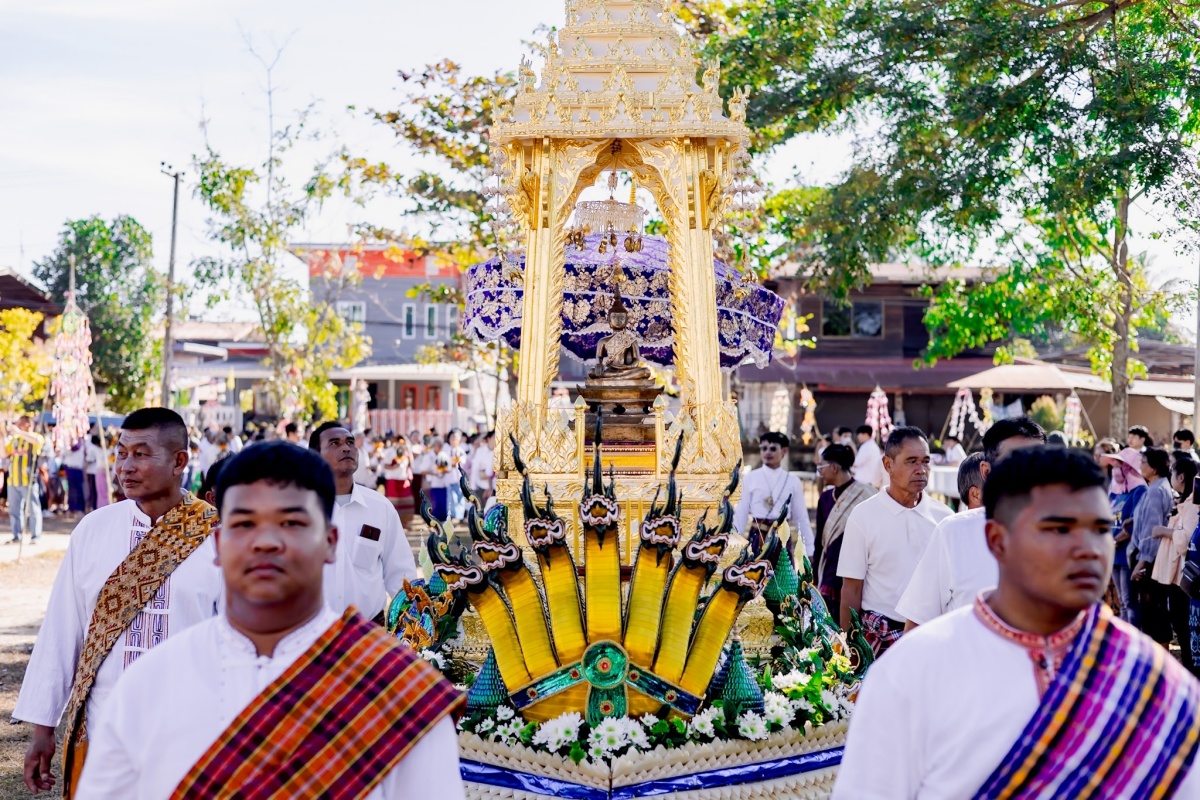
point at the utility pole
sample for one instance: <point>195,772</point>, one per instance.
<point>168,342</point>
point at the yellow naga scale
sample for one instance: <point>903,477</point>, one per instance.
<point>603,656</point>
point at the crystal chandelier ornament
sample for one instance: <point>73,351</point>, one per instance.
<point>616,222</point>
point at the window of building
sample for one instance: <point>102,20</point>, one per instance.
<point>352,310</point>
<point>430,321</point>
<point>410,321</point>
<point>452,320</point>
<point>858,320</point>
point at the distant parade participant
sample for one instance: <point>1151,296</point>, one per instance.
<point>868,461</point>
<point>23,450</point>
<point>841,495</point>
<point>156,545</point>
<point>279,696</point>
<point>957,565</point>
<point>373,554</point>
<point>885,538</point>
<point>766,489</point>
<point>1036,690</point>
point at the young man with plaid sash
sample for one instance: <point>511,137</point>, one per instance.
<point>135,574</point>
<point>1036,691</point>
<point>278,697</point>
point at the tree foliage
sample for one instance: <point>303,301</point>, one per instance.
<point>443,118</point>
<point>1015,134</point>
<point>121,293</point>
<point>255,213</point>
<point>26,374</point>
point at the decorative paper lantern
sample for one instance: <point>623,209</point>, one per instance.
<point>781,406</point>
<point>964,411</point>
<point>1073,420</point>
<point>877,414</point>
<point>71,384</point>
<point>809,424</point>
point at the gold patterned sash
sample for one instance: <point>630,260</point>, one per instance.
<point>130,588</point>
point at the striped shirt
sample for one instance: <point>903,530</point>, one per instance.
<point>23,454</point>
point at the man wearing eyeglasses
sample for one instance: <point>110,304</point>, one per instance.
<point>764,492</point>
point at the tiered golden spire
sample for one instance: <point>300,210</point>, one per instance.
<point>619,68</point>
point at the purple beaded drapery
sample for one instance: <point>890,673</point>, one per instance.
<point>747,314</point>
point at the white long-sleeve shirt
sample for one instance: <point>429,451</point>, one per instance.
<point>776,485</point>
<point>868,464</point>
<point>939,712</point>
<point>99,544</point>
<point>180,699</point>
<point>367,570</point>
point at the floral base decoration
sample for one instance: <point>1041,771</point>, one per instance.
<point>789,750</point>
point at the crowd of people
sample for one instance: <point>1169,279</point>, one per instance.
<point>269,564</point>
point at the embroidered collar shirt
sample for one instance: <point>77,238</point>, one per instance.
<point>775,485</point>
<point>220,674</point>
<point>940,710</point>
<point>98,545</point>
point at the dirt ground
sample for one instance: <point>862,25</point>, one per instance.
<point>25,587</point>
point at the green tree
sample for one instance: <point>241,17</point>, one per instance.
<point>255,211</point>
<point>121,293</point>
<point>1011,133</point>
<point>26,374</point>
<point>444,117</point>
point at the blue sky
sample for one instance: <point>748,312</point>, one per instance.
<point>94,94</point>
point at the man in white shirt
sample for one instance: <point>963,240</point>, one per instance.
<point>766,489</point>
<point>868,461</point>
<point>954,451</point>
<point>1036,691</point>
<point>232,440</point>
<point>957,565</point>
<point>885,537</point>
<point>483,468</point>
<point>278,696</point>
<point>156,543</point>
<point>374,557</point>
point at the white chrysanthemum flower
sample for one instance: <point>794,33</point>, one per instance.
<point>503,713</point>
<point>802,704</point>
<point>777,709</point>
<point>570,723</point>
<point>752,726</point>
<point>791,680</point>
<point>828,700</point>
<point>638,738</point>
<point>649,721</point>
<point>485,726</point>
<point>597,754</point>
<point>702,723</point>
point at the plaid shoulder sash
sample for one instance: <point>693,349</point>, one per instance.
<point>1121,719</point>
<point>127,591</point>
<point>332,726</point>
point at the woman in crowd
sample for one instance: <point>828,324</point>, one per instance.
<point>1125,491</point>
<point>1173,543</point>
<point>398,481</point>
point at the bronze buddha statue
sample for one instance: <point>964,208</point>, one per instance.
<point>618,359</point>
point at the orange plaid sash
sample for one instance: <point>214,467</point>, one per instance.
<point>332,726</point>
<point>127,591</point>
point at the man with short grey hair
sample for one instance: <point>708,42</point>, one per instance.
<point>885,536</point>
